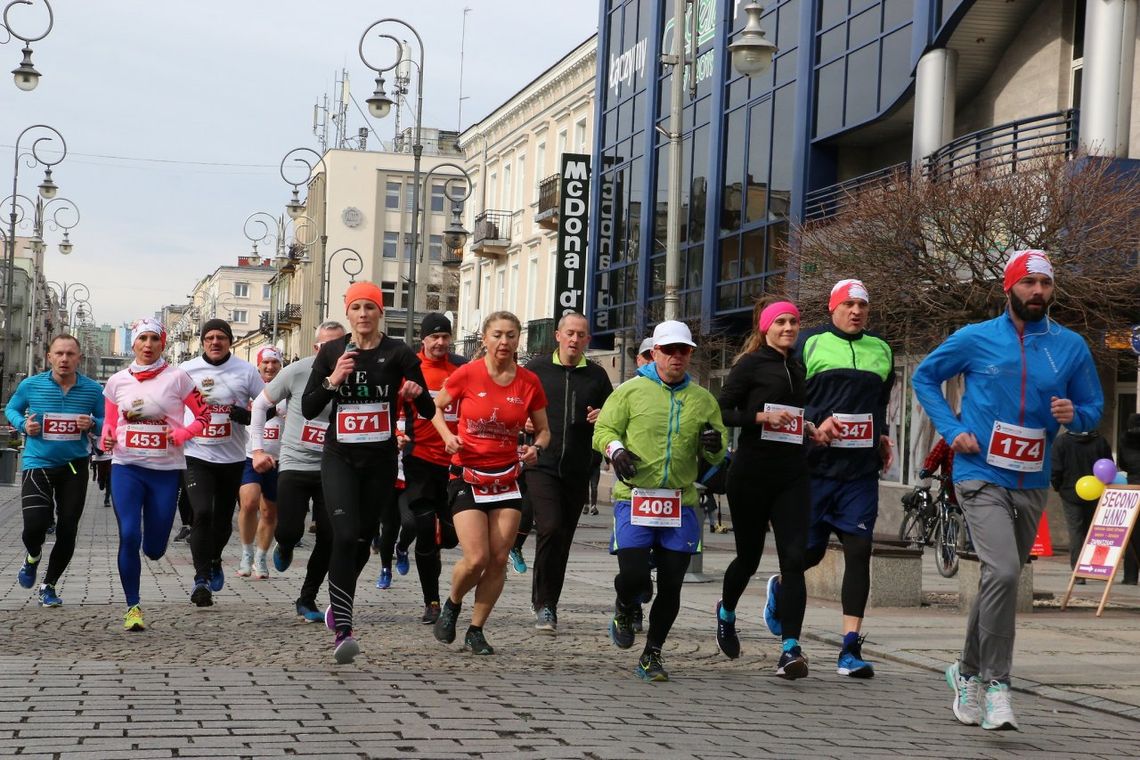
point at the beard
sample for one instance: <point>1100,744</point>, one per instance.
<point>1029,311</point>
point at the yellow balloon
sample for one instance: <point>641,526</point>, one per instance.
<point>1089,488</point>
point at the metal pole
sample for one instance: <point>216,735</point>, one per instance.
<point>673,212</point>
<point>417,152</point>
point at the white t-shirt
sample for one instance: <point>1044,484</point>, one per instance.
<point>234,382</point>
<point>147,410</point>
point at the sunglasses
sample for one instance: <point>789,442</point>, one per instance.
<point>676,348</point>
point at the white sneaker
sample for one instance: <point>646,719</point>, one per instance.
<point>967,696</point>
<point>245,567</point>
<point>999,710</point>
<point>261,566</point>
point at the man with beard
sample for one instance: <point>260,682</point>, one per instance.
<point>1025,376</point>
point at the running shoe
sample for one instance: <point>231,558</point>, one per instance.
<point>593,510</point>
<point>793,664</point>
<point>726,637</point>
<point>621,627</point>
<point>27,574</point>
<point>309,612</point>
<point>330,619</point>
<point>385,579</point>
<point>245,566</point>
<point>444,629</point>
<point>431,613</point>
<point>477,642</point>
<point>546,620</point>
<point>651,668</point>
<point>851,662</point>
<point>48,597</point>
<point>217,576</point>
<point>376,544</point>
<point>402,563</point>
<point>282,557</point>
<point>998,715</point>
<point>182,534</point>
<point>517,561</point>
<point>771,614</point>
<point>51,528</point>
<point>201,595</point>
<point>638,619</point>
<point>345,648</point>
<point>133,620</point>
<point>967,695</point>
<point>107,501</point>
<point>261,566</point>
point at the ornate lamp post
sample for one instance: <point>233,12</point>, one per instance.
<point>295,208</point>
<point>262,227</point>
<point>25,74</point>
<point>352,265</point>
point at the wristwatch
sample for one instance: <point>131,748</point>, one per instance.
<point>328,386</point>
<point>537,449</point>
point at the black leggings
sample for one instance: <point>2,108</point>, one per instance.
<point>295,489</point>
<point>856,571</point>
<point>526,521</point>
<point>356,494</point>
<point>753,502</point>
<point>213,491</point>
<point>397,529</point>
<point>46,491</point>
<point>633,580</point>
<point>426,497</point>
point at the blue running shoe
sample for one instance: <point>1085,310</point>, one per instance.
<point>385,579</point>
<point>851,662</point>
<point>309,612</point>
<point>771,614</point>
<point>282,557</point>
<point>217,577</point>
<point>650,668</point>
<point>48,597</point>
<point>402,564</point>
<point>27,574</point>
<point>517,561</point>
<point>621,627</point>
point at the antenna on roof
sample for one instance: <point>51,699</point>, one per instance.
<point>462,43</point>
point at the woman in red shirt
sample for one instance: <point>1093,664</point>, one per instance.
<point>496,397</point>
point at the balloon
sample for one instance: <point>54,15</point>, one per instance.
<point>1104,470</point>
<point>1089,488</point>
<point>1121,479</point>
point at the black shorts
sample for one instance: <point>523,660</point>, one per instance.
<point>460,499</point>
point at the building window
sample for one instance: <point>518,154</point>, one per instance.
<point>240,316</point>
<point>435,249</point>
<point>388,290</point>
<point>266,291</point>
<point>580,135</point>
<point>392,195</point>
<point>561,145</point>
<point>532,311</point>
<point>391,244</point>
<point>410,195</point>
<point>501,283</point>
<point>241,289</point>
<point>539,167</point>
<point>437,197</point>
<point>520,182</point>
<point>493,188</point>
<point>506,186</point>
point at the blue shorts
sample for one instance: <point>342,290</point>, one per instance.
<point>842,506</point>
<point>686,539</point>
<point>267,480</point>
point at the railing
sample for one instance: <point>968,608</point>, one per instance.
<point>289,314</point>
<point>468,346</point>
<point>492,229</point>
<point>829,201</point>
<point>549,194</point>
<point>1005,145</point>
<point>540,336</point>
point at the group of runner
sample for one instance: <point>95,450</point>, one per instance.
<point>468,440</point>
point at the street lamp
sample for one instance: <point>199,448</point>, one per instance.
<point>295,208</point>
<point>752,52</point>
<point>454,234</point>
<point>25,74</point>
<point>352,265</point>
<point>262,227</point>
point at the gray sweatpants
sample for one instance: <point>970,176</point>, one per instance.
<point>1003,523</point>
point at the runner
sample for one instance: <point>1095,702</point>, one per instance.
<point>1025,376</point>
<point>257,498</point>
<point>558,484</point>
<point>496,397</point>
<point>850,372</point>
<point>143,429</point>
<point>100,464</point>
<point>299,478</point>
<point>365,375</point>
<point>55,410</point>
<point>764,396</point>
<point>397,525</point>
<point>215,459</point>
<point>653,429</point>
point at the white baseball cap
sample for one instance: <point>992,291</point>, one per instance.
<point>646,345</point>
<point>671,332</point>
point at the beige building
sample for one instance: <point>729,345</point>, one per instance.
<point>513,158</point>
<point>238,294</point>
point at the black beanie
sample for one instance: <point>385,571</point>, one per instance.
<point>217,324</point>
<point>435,323</point>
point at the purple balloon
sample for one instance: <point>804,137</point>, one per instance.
<point>1104,470</point>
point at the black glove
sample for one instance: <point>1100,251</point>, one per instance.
<point>711,439</point>
<point>623,461</point>
<point>923,474</point>
<point>240,415</point>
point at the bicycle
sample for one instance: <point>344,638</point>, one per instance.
<point>935,521</point>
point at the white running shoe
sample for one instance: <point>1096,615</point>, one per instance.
<point>261,566</point>
<point>245,567</point>
<point>967,696</point>
<point>999,709</point>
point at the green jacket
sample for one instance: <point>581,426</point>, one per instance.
<point>662,426</point>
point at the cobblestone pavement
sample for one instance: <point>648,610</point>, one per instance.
<point>246,678</point>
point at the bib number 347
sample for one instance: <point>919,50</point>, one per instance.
<point>1016,448</point>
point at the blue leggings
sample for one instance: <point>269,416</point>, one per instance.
<point>143,498</point>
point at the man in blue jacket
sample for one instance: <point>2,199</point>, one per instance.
<point>1025,376</point>
<point>56,411</point>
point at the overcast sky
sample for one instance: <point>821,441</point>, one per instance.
<point>177,114</point>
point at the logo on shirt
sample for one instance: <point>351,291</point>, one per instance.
<point>515,400</point>
<point>207,384</point>
<point>481,394</point>
<point>490,428</point>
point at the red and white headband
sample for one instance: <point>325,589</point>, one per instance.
<point>1024,263</point>
<point>847,290</point>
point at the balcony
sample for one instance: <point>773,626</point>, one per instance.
<point>831,200</point>
<point>289,314</point>
<point>1005,145</point>
<point>492,233</point>
<point>540,336</point>
<point>549,196</point>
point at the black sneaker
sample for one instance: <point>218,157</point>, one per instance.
<point>621,627</point>
<point>201,596</point>
<point>792,664</point>
<point>726,637</point>
<point>477,642</point>
<point>444,629</point>
<point>650,667</point>
<point>431,613</point>
<point>638,618</point>
<point>183,533</point>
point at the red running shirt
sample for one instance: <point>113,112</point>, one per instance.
<point>491,415</point>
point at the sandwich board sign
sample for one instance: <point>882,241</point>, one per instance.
<point>1107,539</point>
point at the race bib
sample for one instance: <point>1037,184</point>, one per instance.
<point>146,440</point>
<point>489,487</point>
<point>793,432</point>
<point>61,427</point>
<point>363,423</point>
<point>218,429</point>
<point>313,435</point>
<point>854,431</point>
<point>271,433</point>
<point>655,507</point>
<point>451,411</point>
<point>1016,448</point>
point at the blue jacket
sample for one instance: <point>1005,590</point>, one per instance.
<point>41,393</point>
<point>1009,378</point>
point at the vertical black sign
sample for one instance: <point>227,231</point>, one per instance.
<point>609,189</point>
<point>573,217</point>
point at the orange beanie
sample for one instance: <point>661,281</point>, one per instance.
<point>366,290</point>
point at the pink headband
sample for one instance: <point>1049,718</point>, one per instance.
<point>773,310</point>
